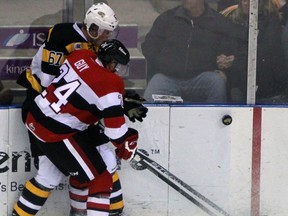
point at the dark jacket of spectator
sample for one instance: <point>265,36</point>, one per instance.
<point>182,47</point>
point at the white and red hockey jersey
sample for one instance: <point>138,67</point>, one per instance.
<point>81,95</point>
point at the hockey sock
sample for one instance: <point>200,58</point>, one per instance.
<point>100,188</point>
<point>78,194</point>
<point>32,199</point>
<point>116,197</point>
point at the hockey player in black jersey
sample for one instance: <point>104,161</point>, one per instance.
<point>83,94</point>
<point>100,24</point>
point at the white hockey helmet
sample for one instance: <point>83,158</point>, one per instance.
<point>101,15</point>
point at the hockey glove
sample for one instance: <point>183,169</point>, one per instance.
<point>127,149</point>
<point>133,107</point>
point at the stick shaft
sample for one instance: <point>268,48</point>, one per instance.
<point>177,188</point>
<point>154,164</point>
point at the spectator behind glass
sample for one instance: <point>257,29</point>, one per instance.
<point>271,77</point>
<point>223,4</point>
<point>181,50</point>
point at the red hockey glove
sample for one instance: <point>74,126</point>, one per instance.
<point>127,150</point>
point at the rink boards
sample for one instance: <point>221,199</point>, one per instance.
<point>240,168</point>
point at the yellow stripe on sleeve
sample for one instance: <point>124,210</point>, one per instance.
<point>34,83</point>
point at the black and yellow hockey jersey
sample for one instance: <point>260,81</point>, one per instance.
<point>62,39</point>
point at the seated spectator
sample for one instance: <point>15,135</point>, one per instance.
<point>271,78</point>
<point>181,50</point>
<point>223,4</point>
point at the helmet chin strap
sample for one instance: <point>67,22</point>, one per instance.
<point>94,38</point>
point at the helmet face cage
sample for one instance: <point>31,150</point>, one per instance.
<point>112,34</point>
<point>114,50</point>
<point>122,70</point>
<point>102,16</point>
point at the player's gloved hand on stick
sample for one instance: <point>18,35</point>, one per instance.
<point>128,148</point>
<point>133,107</point>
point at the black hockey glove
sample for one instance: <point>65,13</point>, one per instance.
<point>133,107</point>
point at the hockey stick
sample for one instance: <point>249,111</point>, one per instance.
<point>170,179</point>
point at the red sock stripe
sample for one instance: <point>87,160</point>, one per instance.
<point>98,206</point>
<point>76,184</point>
<point>77,197</point>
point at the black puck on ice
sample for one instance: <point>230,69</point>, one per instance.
<point>227,120</point>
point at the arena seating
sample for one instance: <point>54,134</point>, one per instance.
<point>18,44</point>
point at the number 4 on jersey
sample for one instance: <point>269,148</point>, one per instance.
<point>62,93</point>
